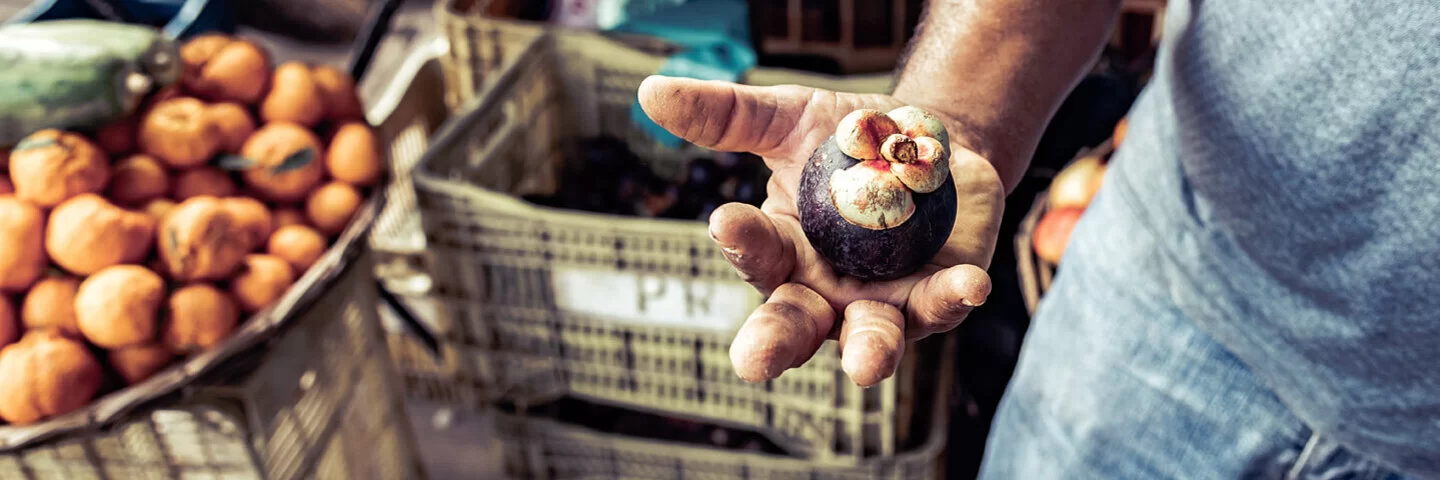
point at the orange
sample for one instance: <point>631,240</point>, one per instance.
<point>298,245</point>
<point>51,166</point>
<point>199,316</point>
<point>288,162</point>
<point>293,97</point>
<point>261,282</point>
<point>119,306</point>
<point>201,239</point>
<point>252,220</point>
<point>50,304</point>
<point>22,250</point>
<point>45,375</point>
<point>88,233</point>
<point>138,363</point>
<point>331,207</point>
<point>203,181</point>
<point>138,179</point>
<point>234,123</point>
<point>180,133</point>
<point>289,216</point>
<point>237,71</point>
<point>354,155</point>
<point>338,94</point>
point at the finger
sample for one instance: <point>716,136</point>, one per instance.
<point>723,115</point>
<point>980,206</point>
<point>872,341</point>
<point>749,240</point>
<point>781,334</point>
<point>941,301</point>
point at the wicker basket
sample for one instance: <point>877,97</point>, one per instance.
<point>1036,273</point>
<point>302,390</point>
<point>538,303</point>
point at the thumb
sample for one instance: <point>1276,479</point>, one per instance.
<point>721,115</point>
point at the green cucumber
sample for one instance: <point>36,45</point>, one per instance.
<point>158,55</point>
<point>78,74</point>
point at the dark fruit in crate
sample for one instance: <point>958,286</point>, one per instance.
<point>704,174</point>
<point>695,202</point>
<point>748,181</point>
<point>749,192</point>
<point>876,199</point>
<point>659,197</point>
<point>606,157</point>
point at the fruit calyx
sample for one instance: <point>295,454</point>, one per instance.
<point>901,153</point>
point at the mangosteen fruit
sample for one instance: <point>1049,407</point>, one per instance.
<point>876,198</point>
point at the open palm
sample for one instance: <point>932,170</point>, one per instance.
<point>808,302</point>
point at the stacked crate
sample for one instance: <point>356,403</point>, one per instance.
<point>552,320</point>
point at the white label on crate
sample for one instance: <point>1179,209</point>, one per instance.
<point>654,299</point>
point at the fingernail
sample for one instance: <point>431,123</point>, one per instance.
<point>967,302</point>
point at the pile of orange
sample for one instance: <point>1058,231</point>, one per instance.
<point>149,240</point>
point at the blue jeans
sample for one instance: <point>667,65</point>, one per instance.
<point>1114,383</point>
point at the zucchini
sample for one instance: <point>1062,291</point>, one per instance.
<point>78,74</point>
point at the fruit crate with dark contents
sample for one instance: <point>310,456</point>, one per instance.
<point>856,37</point>
<point>199,300</point>
<point>1045,230</point>
<point>834,36</point>
<point>548,292</point>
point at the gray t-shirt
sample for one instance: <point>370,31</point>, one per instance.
<point>1288,155</point>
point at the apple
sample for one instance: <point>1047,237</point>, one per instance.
<point>1077,183</point>
<point>1052,232</point>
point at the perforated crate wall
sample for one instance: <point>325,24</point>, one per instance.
<point>505,275</point>
<point>543,449</point>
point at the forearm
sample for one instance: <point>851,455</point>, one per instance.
<point>998,69</point>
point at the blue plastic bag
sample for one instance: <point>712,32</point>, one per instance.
<point>180,18</point>
<point>715,35</point>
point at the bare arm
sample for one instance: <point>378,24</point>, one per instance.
<point>994,70</point>
<point>998,69</point>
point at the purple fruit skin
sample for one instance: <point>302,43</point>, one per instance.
<point>870,255</point>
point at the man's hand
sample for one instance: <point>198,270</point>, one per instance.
<point>808,302</point>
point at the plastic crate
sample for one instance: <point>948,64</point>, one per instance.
<point>397,235</point>
<point>511,277</point>
<point>542,449</point>
<point>303,389</point>
<point>486,443</point>
<point>854,36</point>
